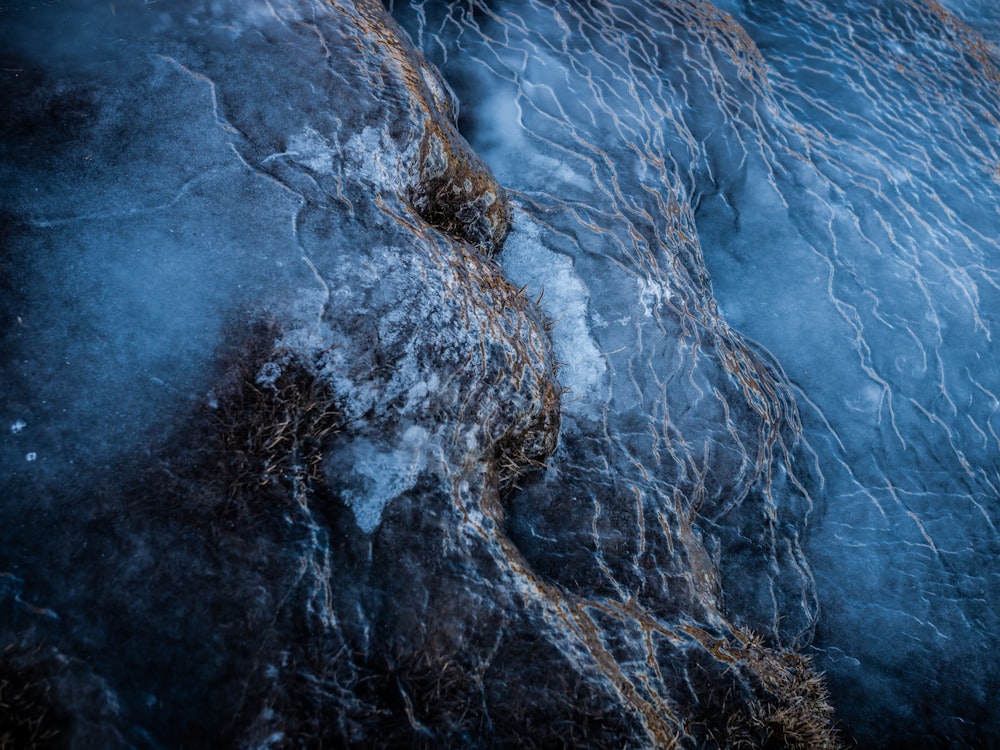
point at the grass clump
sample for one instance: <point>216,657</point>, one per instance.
<point>257,441</point>
<point>795,711</point>
<point>29,717</point>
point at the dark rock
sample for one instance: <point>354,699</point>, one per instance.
<point>290,421</point>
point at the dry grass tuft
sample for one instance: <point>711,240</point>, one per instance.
<point>258,441</point>
<point>525,450</point>
<point>456,193</point>
<point>796,711</point>
<point>28,719</point>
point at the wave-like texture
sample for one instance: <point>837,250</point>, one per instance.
<point>837,164</point>
<point>365,387</point>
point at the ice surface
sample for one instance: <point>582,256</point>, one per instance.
<point>383,475</point>
<point>887,332</point>
<point>564,298</point>
<point>841,162</point>
<point>291,458</point>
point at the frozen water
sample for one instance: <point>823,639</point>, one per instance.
<point>842,163</point>
<point>564,299</point>
<point>381,475</point>
<point>764,238</point>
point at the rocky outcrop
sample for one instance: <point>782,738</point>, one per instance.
<point>316,505</point>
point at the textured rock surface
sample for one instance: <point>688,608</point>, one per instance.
<point>276,438</point>
<point>317,433</point>
<point>835,163</point>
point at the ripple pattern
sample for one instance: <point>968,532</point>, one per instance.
<point>830,173</point>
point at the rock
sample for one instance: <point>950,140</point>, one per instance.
<point>293,420</point>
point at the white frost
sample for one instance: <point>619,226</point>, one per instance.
<point>527,261</point>
<point>652,294</point>
<point>385,475</point>
<point>311,150</point>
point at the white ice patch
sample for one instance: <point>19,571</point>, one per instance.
<point>507,136</point>
<point>502,110</point>
<point>311,150</point>
<point>18,426</point>
<point>559,172</point>
<point>384,475</point>
<point>376,159</point>
<point>652,294</point>
<point>417,398</point>
<point>527,261</point>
